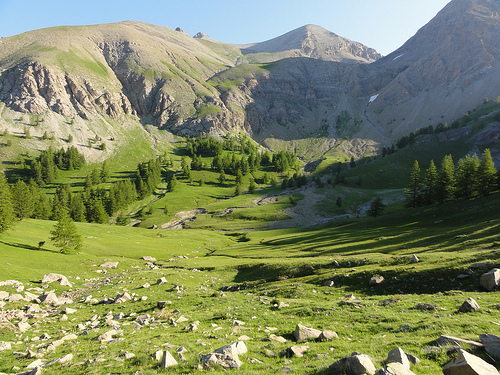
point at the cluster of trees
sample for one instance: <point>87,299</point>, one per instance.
<point>469,178</point>
<point>44,169</point>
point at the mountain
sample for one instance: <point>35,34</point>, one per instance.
<point>309,84</point>
<point>315,42</point>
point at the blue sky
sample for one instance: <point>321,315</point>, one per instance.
<point>381,24</point>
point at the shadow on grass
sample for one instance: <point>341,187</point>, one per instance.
<point>28,247</point>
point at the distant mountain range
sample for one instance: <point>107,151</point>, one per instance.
<point>308,83</point>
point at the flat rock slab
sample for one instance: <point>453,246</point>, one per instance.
<point>468,364</point>
<point>446,340</point>
<point>51,277</point>
<point>109,265</point>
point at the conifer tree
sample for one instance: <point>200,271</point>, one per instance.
<point>466,176</point>
<point>414,190</point>
<point>65,235</point>
<point>446,180</point>
<point>171,184</point>
<point>486,174</point>
<point>377,206</point>
<point>22,199</point>
<point>6,207</point>
<point>252,186</point>
<point>431,177</point>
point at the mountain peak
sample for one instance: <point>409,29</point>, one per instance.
<point>316,42</point>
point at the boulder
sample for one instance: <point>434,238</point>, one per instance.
<point>162,280</point>
<point>414,259</point>
<point>329,283</point>
<point>226,356</point>
<point>168,360</point>
<point>4,296</point>
<point>303,333</point>
<point>15,298</point>
<point>149,259</point>
<point>49,298</point>
<point>468,364</point>
<point>394,368</point>
<point>490,280</point>
<point>5,346</point>
<point>280,339</point>
<point>397,355</point>
<point>491,344</point>
<point>294,351</point>
<point>413,359</point>
<point>120,298</point>
<point>327,336</point>
<point>446,340</point>
<point>376,280</point>
<point>469,306</point>
<point>51,277</point>
<point>109,265</point>
<point>162,304</point>
<point>63,359</point>
<point>356,364</point>
<point>23,326</point>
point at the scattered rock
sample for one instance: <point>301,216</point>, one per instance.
<point>227,356</point>
<point>446,340</point>
<point>356,364</point>
<point>69,310</point>
<point>5,346</point>
<point>23,326</point>
<point>414,360</point>
<point>162,304</point>
<point>294,351</point>
<point>414,259</point>
<point>490,280</point>
<point>168,360</point>
<point>162,280</point>
<point>329,283</point>
<point>491,344</point>
<point>63,359</point>
<point>327,336</point>
<point>277,338</point>
<point>376,280</point>
<point>120,298</point>
<point>145,286</point>
<point>397,355</point>
<point>427,306</point>
<point>51,277</point>
<point>469,364</point>
<point>469,306</point>
<point>149,259</point>
<point>15,298</point>
<point>394,368</point>
<point>4,296</point>
<point>37,363</point>
<point>109,265</point>
<point>158,355</point>
<point>303,333</point>
<point>49,298</point>
<point>481,265</point>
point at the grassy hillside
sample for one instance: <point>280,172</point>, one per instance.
<point>222,279</point>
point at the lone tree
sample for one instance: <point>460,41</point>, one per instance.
<point>65,235</point>
<point>376,207</point>
<point>6,207</point>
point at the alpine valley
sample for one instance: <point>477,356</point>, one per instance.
<point>178,202</point>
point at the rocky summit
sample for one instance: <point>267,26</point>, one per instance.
<point>308,83</point>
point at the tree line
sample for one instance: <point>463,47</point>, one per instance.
<point>469,178</point>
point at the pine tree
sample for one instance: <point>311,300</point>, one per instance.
<point>237,190</point>
<point>431,178</point>
<point>466,177</point>
<point>414,190</point>
<point>486,174</point>
<point>6,207</point>
<point>376,207</point>
<point>252,186</point>
<point>22,199</point>
<point>222,177</point>
<point>65,235</point>
<point>446,180</point>
<point>171,184</point>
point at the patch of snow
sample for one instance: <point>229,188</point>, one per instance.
<point>372,99</point>
<point>397,57</point>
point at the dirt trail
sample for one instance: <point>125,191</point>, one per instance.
<point>303,214</point>
<point>182,218</point>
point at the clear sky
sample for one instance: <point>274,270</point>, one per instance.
<point>381,24</point>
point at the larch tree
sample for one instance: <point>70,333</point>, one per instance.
<point>446,180</point>
<point>6,208</point>
<point>414,190</point>
<point>65,235</point>
<point>486,174</point>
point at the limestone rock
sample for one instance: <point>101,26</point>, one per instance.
<point>490,280</point>
<point>168,360</point>
<point>468,364</point>
<point>23,326</point>
<point>302,333</point>
<point>109,265</point>
<point>394,368</point>
<point>376,280</point>
<point>49,298</point>
<point>15,298</point>
<point>469,306</point>
<point>34,364</point>
<point>397,355</point>
<point>280,339</point>
<point>5,346</point>
<point>327,336</point>
<point>447,340</point>
<point>414,259</point>
<point>120,298</point>
<point>162,280</point>
<point>294,351</point>
<point>149,259</point>
<point>63,359</point>
<point>356,364</point>
<point>162,304</point>
<point>226,356</point>
<point>158,355</point>
<point>4,295</point>
<point>329,283</point>
<point>491,344</point>
<point>51,277</point>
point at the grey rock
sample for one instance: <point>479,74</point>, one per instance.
<point>294,351</point>
<point>491,344</point>
<point>414,259</point>
<point>329,283</point>
<point>227,356</point>
<point>481,265</point>
<point>168,360</point>
<point>49,298</point>
<point>358,364</point>
<point>447,340</point>
<point>109,265</point>
<point>469,306</point>
<point>490,280</point>
<point>5,346</point>
<point>468,364</point>
<point>120,298</point>
<point>394,368</point>
<point>162,280</point>
<point>23,326</point>
<point>376,280</point>
<point>61,360</point>
<point>303,333</point>
<point>274,337</point>
<point>162,304</point>
<point>398,355</point>
<point>4,295</point>
<point>149,259</point>
<point>51,277</point>
<point>413,359</point>
<point>15,298</point>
